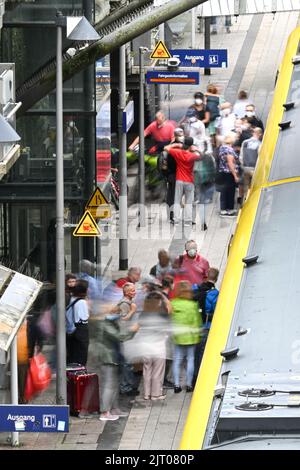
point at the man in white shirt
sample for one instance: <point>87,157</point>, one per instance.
<point>225,124</point>
<point>239,108</point>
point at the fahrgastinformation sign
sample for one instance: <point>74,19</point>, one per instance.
<point>167,77</point>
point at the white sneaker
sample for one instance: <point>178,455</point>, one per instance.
<point>161,397</point>
<point>118,412</point>
<point>107,416</point>
<point>223,213</point>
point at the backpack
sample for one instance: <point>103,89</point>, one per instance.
<point>207,299</point>
<point>162,163</point>
<point>213,107</point>
<point>70,318</point>
<point>115,311</point>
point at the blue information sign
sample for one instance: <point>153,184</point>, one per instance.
<point>167,77</point>
<point>201,57</point>
<point>34,418</point>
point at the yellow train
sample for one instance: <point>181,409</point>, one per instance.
<point>249,397</point>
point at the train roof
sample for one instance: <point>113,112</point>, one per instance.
<point>249,382</point>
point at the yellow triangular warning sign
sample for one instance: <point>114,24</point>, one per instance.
<point>87,226</point>
<point>96,200</point>
<point>160,52</point>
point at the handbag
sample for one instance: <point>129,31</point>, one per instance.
<point>40,373</point>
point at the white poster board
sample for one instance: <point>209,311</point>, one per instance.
<point>15,302</point>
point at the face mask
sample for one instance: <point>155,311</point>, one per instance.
<point>226,112</point>
<point>244,128</point>
<point>250,114</point>
<point>192,253</point>
<point>179,139</point>
<point>198,101</point>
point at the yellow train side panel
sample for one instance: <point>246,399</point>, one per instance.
<point>203,395</point>
<point>200,408</point>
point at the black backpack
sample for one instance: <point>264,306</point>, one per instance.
<point>213,107</point>
<point>162,163</point>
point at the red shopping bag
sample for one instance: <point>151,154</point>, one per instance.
<point>29,391</point>
<point>40,373</point>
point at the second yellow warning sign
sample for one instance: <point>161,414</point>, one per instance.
<point>87,226</point>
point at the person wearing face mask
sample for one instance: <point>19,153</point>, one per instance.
<point>244,132</point>
<point>251,117</point>
<point>226,122</point>
<point>194,265</point>
<point>198,110</point>
<point>249,155</point>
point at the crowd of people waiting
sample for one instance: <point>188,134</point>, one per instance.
<point>214,145</point>
<point>155,324</point>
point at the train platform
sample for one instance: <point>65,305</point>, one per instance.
<point>159,425</point>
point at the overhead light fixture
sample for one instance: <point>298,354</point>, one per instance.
<point>80,29</point>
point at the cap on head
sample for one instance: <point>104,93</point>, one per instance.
<point>188,141</point>
<point>178,131</point>
<point>199,95</point>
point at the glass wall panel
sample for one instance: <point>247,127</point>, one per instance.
<point>41,10</point>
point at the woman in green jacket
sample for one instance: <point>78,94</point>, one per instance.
<point>187,325</point>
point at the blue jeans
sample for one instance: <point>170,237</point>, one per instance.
<point>180,352</point>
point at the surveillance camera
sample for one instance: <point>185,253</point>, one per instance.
<point>173,63</point>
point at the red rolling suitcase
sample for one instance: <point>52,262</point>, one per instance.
<point>83,392</point>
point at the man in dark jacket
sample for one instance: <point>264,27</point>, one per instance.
<point>207,296</point>
<point>252,118</point>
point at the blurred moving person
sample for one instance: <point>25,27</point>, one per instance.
<point>154,328</point>
<point>163,266</point>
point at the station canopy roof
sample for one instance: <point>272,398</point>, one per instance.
<point>244,7</point>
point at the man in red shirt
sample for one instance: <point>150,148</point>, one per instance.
<point>161,131</point>
<point>185,157</point>
<point>133,276</point>
<point>194,265</point>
